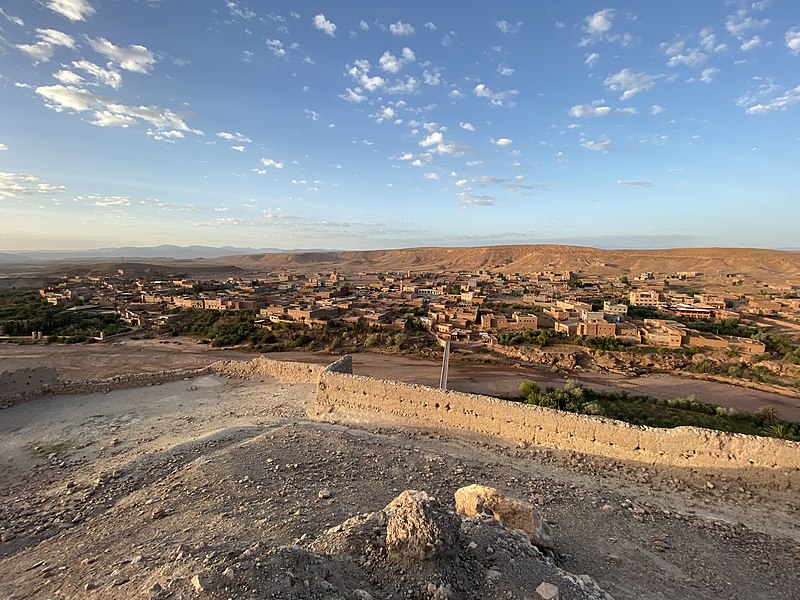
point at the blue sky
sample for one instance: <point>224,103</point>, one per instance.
<point>359,125</point>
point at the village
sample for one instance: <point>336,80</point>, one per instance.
<point>656,310</point>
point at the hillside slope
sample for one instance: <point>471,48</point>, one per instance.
<point>758,263</point>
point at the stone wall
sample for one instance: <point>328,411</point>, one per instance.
<point>283,371</point>
<point>687,447</point>
<point>92,386</point>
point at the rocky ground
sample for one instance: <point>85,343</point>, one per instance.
<point>222,488</point>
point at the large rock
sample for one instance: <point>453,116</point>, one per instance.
<point>419,528</point>
<point>513,513</point>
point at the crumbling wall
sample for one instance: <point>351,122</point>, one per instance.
<point>27,379</point>
<point>92,386</point>
<point>283,371</point>
<point>537,426</point>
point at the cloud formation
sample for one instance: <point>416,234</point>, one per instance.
<point>324,25</point>
<point>49,40</point>
<point>629,83</point>
<point>74,10</point>
<point>134,58</point>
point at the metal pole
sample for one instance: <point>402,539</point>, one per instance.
<point>445,363</point>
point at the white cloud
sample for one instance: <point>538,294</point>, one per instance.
<point>595,109</point>
<point>502,142</point>
<point>678,55</point>
<point>49,40</point>
<point>436,143</point>
<point>603,146</point>
<point>363,25</point>
<point>455,94</point>
<point>13,18</point>
<point>401,29</point>
<point>3,147</point>
<point>466,125</point>
<point>108,77</point>
<point>431,175</point>
<point>751,44</point>
<point>769,98</point>
<point>74,10</point>
<point>134,58</point>
<point>629,83</point>
<point>591,60</point>
<point>106,201</point>
<point>406,156</point>
<point>409,86</point>
<point>656,109</point>
<point>237,11</point>
<point>507,27</point>
<point>354,96</point>
<point>792,38</point>
<point>505,70</point>
<point>501,98</point>
<point>740,24</point>
<point>392,64</point>
<point>597,27</point>
<point>233,137</point>
<point>708,40</point>
<point>238,148</point>
<point>708,74</point>
<point>20,185</point>
<point>269,162</point>
<point>68,77</point>
<point>247,56</point>
<point>469,199</point>
<point>432,77</point>
<point>108,112</point>
<point>322,24</point>
<point>106,118</point>
<point>430,26</point>
<point>359,71</point>
<point>276,47</point>
<point>634,182</point>
<point>600,22</point>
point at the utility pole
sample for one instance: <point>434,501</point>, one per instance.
<point>445,364</point>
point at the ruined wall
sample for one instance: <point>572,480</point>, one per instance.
<point>26,379</point>
<point>92,386</point>
<point>681,446</point>
<point>283,371</point>
<point>343,365</point>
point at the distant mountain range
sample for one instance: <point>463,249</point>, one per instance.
<point>133,252</point>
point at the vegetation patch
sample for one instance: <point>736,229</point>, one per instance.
<point>658,412</point>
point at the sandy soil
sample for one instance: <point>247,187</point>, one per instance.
<point>132,493</point>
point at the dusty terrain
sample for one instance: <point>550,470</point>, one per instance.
<point>752,262</point>
<point>141,356</point>
<point>136,492</point>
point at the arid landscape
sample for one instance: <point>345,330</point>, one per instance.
<point>135,493</point>
<point>240,484</point>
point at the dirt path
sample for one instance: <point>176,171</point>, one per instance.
<point>132,493</point>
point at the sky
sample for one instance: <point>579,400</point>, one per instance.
<point>365,125</point>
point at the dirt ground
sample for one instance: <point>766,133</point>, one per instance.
<point>133,356</point>
<point>137,492</point>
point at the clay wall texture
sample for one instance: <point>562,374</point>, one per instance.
<point>283,371</point>
<point>26,379</point>
<point>536,426</point>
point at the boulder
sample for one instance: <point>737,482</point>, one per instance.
<point>513,513</point>
<point>419,528</point>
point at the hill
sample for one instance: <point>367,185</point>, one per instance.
<point>751,262</point>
